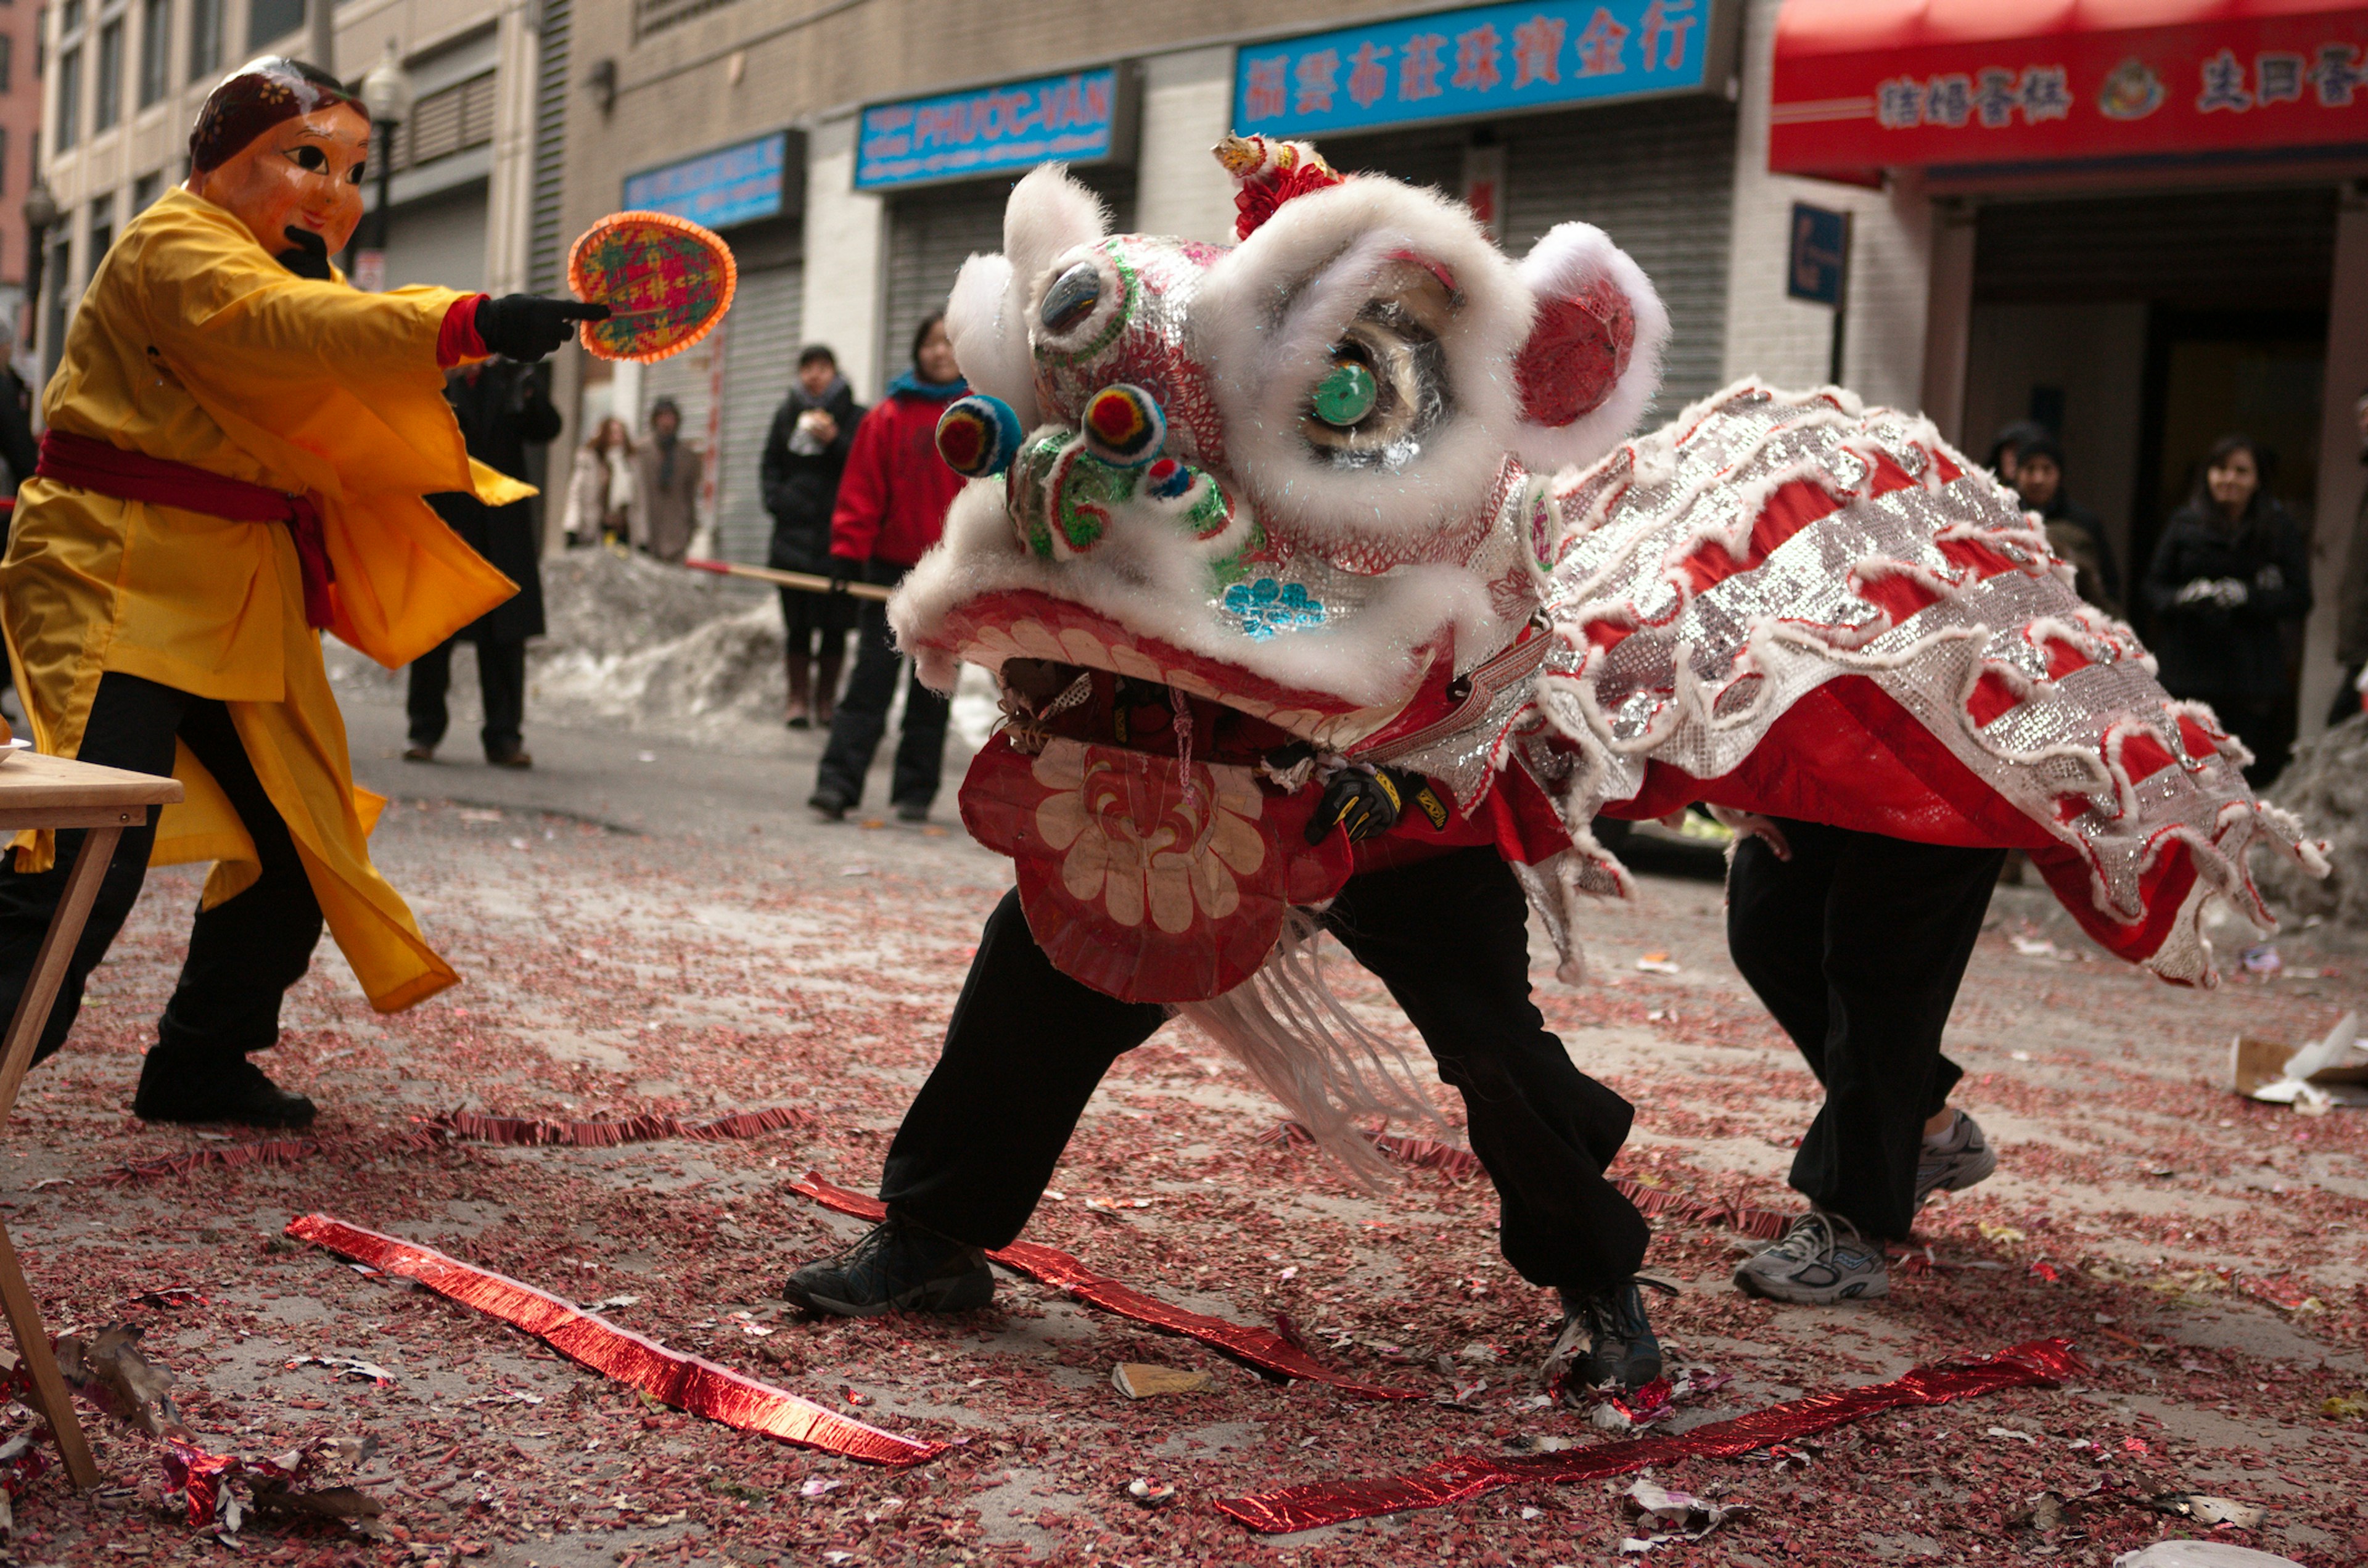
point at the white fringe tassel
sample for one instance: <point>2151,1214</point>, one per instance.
<point>1328,1070</point>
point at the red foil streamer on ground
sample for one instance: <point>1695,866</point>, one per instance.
<point>687,1382</point>
<point>1261,1347</point>
<point>2038,1363</point>
<point>191,1469</point>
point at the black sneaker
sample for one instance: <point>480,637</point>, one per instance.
<point>213,1088</point>
<point>1621,1348</point>
<point>829,805</point>
<point>899,1268</point>
<point>913,810</point>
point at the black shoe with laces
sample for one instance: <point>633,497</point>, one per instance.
<point>899,1268</point>
<point>174,1087</point>
<point>1621,1348</point>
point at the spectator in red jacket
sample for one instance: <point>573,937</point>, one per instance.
<point>892,508</point>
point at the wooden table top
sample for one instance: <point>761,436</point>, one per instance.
<point>32,782</point>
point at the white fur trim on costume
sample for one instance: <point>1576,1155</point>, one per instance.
<point>1271,309</point>
<point>1564,264</point>
<point>990,337</point>
<point>1048,213</point>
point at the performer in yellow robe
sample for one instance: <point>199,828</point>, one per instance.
<point>236,452</point>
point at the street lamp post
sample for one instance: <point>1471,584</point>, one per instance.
<point>40,212</point>
<point>386,93</point>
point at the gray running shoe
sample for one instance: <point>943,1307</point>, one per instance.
<point>1954,1161</point>
<point>1822,1259</point>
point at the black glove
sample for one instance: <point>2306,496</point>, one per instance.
<point>307,255</point>
<point>842,573</point>
<point>528,326</point>
<point>1364,805</point>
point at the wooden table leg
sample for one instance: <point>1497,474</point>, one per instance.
<point>41,1365</point>
<point>24,1033</point>
<point>49,968</point>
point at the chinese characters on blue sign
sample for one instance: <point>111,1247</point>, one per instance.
<point>737,185</point>
<point>1486,60</point>
<point>1072,119</point>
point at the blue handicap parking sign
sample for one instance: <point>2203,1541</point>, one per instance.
<point>1819,256</point>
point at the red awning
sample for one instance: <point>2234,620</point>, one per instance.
<point>1869,85</point>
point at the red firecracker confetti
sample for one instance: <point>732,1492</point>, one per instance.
<point>518,1129</point>
<point>1261,1347</point>
<point>687,1382</point>
<point>1459,1480</point>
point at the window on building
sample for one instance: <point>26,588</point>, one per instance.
<point>7,61</point>
<point>69,98</point>
<point>107,103</point>
<point>72,17</point>
<point>4,160</point>
<point>145,189</point>
<point>205,38</point>
<point>442,123</point>
<point>270,19</point>
<point>155,38</point>
<point>656,15</point>
<point>54,334</point>
<point>102,235</point>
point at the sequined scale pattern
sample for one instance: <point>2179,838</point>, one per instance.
<point>1711,575</point>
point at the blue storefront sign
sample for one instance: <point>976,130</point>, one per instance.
<point>1071,119</point>
<point>734,185</point>
<point>1488,60</point>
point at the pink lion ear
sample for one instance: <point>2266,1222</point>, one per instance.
<point>1593,358</point>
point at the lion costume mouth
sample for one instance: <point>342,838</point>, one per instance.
<point>996,627</point>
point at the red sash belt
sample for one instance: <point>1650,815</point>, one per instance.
<point>104,469</point>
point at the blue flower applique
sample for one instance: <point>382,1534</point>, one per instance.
<point>1267,607</point>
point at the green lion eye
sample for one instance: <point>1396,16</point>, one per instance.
<point>1344,397</point>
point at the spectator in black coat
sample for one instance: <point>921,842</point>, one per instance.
<point>2074,531</point>
<point>2230,583</point>
<point>806,452</point>
<point>503,408</point>
<point>16,444</point>
<point>2351,601</point>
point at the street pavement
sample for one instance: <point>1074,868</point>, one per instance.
<point>643,928</point>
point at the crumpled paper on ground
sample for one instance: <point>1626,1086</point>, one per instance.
<point>1693,1517</point>
<point>2314,1080</point>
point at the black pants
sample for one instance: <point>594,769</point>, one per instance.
<point>1449,937</point>
<point>244,953</point>
<point>501,678</point>
<point>1858,944</point>
<point>862,715</point>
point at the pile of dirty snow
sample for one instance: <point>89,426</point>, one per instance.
<point>655,649</point>
<point>659,651</point>
<point>2327,786</point>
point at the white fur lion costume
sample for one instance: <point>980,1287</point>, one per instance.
<point>1360,480</point>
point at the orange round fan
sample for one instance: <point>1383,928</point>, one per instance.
<point>665,281</point>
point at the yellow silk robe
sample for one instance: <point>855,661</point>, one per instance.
<point>193,344</point>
